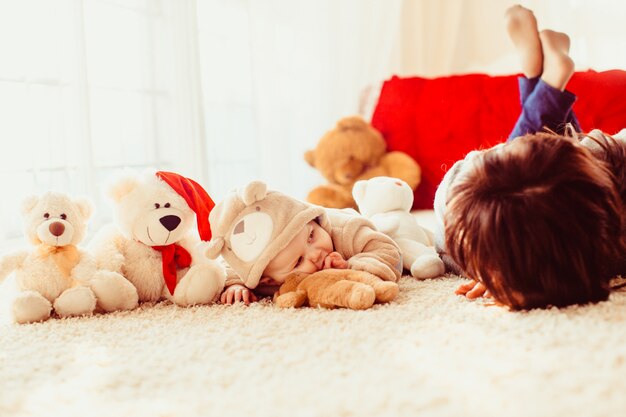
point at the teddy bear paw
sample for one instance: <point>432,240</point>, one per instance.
<point>77,301</point>
<point>331,196</point>
<point>30,307</point>
<point>427,266</point>
<point>202,284</point>
<point>291,299</point>
<point>113,292</point>
<point>361,298</point>
<point>386,291</point>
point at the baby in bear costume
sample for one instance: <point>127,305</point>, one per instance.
<point>265,236</point>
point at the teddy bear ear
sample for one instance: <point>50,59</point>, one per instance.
<point>358,190</point>
<point>309,157</point>
<point>351,122</point>
<point>122,187</point>
<point>29,203</point>
<point>85,207</point>
<point>254,191</point>
<point>214,247</point>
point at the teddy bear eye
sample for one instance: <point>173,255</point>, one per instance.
<point>46,215</point>
<point>157,205</point>
<point>167,205</point>
<point>63,216</point>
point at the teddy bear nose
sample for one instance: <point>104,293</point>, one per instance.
<point>170,222</point>
<point>56,228</point>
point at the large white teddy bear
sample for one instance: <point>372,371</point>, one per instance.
<point>387,203</point>
<point>154,245</point>
<point>57,274</point>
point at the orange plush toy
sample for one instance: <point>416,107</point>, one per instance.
<point>354,151</point>
<point>330,288</point>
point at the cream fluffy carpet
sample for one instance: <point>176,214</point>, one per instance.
<point>429,353</point>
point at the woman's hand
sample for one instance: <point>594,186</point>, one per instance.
<point>237,293</point>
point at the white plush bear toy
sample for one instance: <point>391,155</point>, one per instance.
<point>153,245</point>
<point>387,203</point>
<point>57,274</point>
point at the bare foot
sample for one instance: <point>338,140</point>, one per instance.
<point>558,66</point>
<point>522,28</point>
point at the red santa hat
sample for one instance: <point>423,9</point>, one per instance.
<point>196,197</point>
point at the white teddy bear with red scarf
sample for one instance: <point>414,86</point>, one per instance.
<point>155,245</point>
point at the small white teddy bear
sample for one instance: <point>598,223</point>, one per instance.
<point>152,244</point>
<point>387,203</point>
<point>57,274</point>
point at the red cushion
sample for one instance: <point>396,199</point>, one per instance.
<point>438,121</point>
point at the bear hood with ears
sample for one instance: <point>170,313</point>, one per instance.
<point>252,225</point>
<point>157,208</point>
<point>346,151</point>
<point>55,219</point>
<point>382,195</point>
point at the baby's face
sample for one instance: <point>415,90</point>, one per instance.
<point>305,253</point>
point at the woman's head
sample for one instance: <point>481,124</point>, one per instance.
<point>538,221</point>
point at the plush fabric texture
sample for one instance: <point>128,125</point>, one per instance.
<point>387,202</point>
<point>150,215</point>
<point>332,288</point>
<point>55,273</point>
<point>365,248</point>
<point>437,121</point>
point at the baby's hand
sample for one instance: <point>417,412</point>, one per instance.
<point>237,293</point>
<point>473,289</point>
<point>335,260</point>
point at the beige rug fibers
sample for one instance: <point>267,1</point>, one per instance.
<point>428,353</point>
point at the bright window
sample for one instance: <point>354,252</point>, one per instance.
<point>89,88</point>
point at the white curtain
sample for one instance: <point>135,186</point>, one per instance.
<point>89,88</point>
<point>295,67</point>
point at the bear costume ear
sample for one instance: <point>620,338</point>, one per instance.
<point>29,203</point>
<point>85,207</point>
<point>122,187</point>
<point>309,157</point>
<point>351,123</point>
<point>253,192</point>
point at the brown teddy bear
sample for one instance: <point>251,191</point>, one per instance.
<point>354,151</point>
<point>330,288</point>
